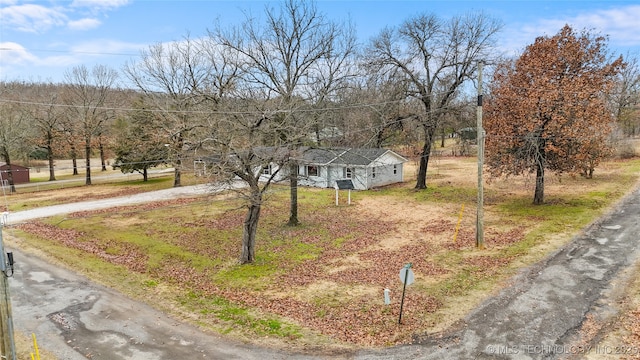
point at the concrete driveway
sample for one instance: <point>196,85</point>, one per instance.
<point>537,317</point>
<point>165,194</point>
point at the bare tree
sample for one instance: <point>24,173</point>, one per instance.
<point>245,145</point>
<point>70,130</point>
<point>47,115</point>
<point>298,57</point>
<point>625,98</point>
<point>436,58</point>
<point>174,77</point>
<point>89,100</point>
<point>14,131</point>
<point>374,111</point>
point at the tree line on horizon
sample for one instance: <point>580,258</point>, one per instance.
<point>297,78</point>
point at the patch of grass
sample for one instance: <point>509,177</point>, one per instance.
<point>460,283</point>
<point>239,317</point>
<point>256,276</point>
<point>340,241</point>
<point>435,192</point>
<point>524,246</point>
<point>55,193</point>
<point>150,283</point>
<point>156,183</point>
<point>105,273</point>
<point>448,194</point>
<point>25,347</point>
<point>561,214</point>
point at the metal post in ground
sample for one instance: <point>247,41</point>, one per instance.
<point>7,345</point>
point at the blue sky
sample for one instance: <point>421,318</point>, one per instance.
<point>40,40</point>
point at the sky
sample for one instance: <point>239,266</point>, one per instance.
<point>41,40</point>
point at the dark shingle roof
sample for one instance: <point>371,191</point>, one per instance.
<point>342,156</point>
<point>320,156</point>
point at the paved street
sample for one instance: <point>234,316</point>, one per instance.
<point>77,319</point>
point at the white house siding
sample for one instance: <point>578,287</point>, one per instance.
<point>388,170</point>
<point>282,175</point>
<point>327,176</point>
<point>315,181</point>
<point>335,173</point>
<point>360,178</point>
<point>385,175</point>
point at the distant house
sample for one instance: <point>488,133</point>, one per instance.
<point>366,168</point>
<point>19,173</point>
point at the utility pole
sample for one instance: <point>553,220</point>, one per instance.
<point>7,343</point>
<point>480,141</point>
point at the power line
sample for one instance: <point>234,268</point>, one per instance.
<point>221,112</point>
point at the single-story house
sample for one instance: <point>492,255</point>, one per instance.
<point>322,167</point>
<point>366,168</point>
<point>19,173</point>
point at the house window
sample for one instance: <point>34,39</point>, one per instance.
<point>373,172</point>
<point>312,170</point>
<point>395,169</point>
<point>348,173</point>
<point>267,170</point>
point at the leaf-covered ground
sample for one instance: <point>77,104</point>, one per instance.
<point>329,274</point>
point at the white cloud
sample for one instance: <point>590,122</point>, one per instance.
<point>99,4</point>
<point>84,24</point>
<point>18,55</point>
<point>14,53</point>
<point>31,18</point>
<point>106,47</point>
<point>39,18</point>
<point>620,24</point>
<point>18,63</point>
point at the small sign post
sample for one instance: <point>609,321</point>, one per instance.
<point>346,184</point>
<point>407,278</point>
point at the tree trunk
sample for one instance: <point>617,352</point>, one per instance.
<point>176,174</point>
<point>538,196</point>
<point>74,160</point>
<point>87,154</point>
<point>7,160</point>
<point>177,163</point>
<point>421,182</point>
<point>52,172</point>
<point>380,137</point>
<point>102,156</point>
<point>249,232</point>
<point>293,182</point>
<point>145,175</point>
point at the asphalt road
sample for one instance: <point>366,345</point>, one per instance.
<point>76,319</point>
<point>537,317</point>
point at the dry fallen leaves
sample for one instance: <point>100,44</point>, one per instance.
<point>358,262</point>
